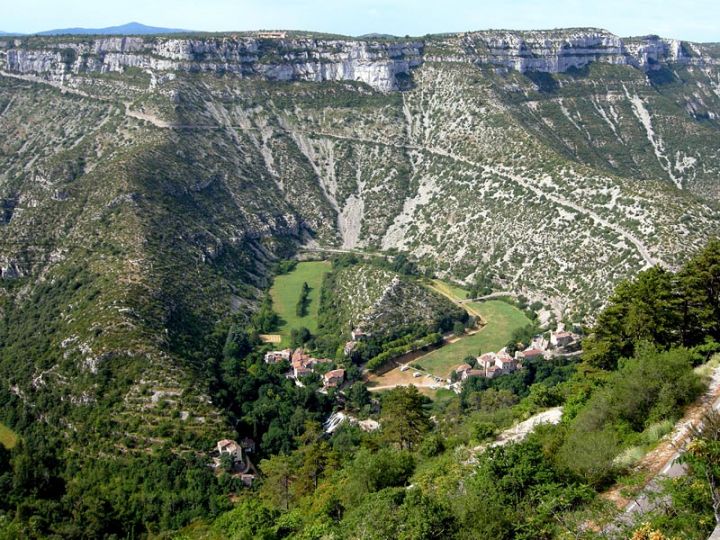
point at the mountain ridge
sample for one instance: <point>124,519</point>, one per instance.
<point>131,28</point>
<point>384,64</point>
<point>517,88</point>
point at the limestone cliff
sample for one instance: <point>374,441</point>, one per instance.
<point>381,65</point>
<point>385,65</point>
<point>559,51</point>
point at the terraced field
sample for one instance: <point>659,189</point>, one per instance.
<point>285,293</point>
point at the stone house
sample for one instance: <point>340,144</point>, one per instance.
<point>301,371</point>
<point>334,378</point>
<point>529,354</point>
<point>226,446</point>
<point>275,357</point>
<point>506,364</point>
<point>462,368</point>
<point>487,360</point>
<point>561,339</point>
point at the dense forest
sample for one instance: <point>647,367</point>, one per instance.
<point>428,472</point>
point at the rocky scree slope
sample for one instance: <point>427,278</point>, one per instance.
<point>122,247</point>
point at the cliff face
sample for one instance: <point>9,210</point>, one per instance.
<point>556,52</point>
<point>380,65</point>
<point>384,65</point>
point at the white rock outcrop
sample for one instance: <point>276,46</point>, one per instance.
<point>384,65</point>
<point>374,63</point>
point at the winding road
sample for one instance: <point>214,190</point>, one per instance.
<point>502,172</point>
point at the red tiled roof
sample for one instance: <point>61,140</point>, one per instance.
<point>335,373</point>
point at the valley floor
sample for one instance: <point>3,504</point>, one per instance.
<point>500,320</point>
<point>285,294</point>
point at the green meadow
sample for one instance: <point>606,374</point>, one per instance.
<point>285,293</point>
<point>501,318</point>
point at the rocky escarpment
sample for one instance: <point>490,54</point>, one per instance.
<point>559,51</point>
<point>599,160</point>
<point>385,65</point>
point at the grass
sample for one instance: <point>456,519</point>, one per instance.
<point>453,291</point>
<point>8,438</point>
<point>502,319</point>
<point>455,294</point>
<point>285,293</point>
<point>706,370</point>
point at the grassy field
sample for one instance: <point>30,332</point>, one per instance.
<point>501,318</point>
<point>285,293</point>
<point>450,290</point>
<point>8,438</point>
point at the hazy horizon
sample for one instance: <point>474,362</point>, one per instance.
<point>691,21</point>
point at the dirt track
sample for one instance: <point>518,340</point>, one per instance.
<point>660,463</point>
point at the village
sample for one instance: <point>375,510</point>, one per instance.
<point>234,457</point>
<point>304,365</point>
<point>496,341</point>
<point>487,365</point>
<point>494,364</point>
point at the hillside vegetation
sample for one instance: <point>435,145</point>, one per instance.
<point>382,303</point>
<point>417,478</point>
<point>144,210</point>
<point>8,438</point>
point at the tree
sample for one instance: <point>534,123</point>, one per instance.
<point>700,293</point>
<point>542,396</point>
<point>227,462</point>
<point>301,308</point>
<point>591,455</point>
<point>278,476</point>
<point>646,309</point>
<point>250,520</point>
<point>358,396</point>
<point>425,518</point>
<point>315,458</point>
<point>265,319</point>
<point>299,336</point>
<point>458,328</point>
<point>403,265</point>
<point>370,472</point>
<point>403,419</point>
<point>237,344</point>
<point>493,400</point>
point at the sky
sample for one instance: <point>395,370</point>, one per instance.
<point>693,20</point>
